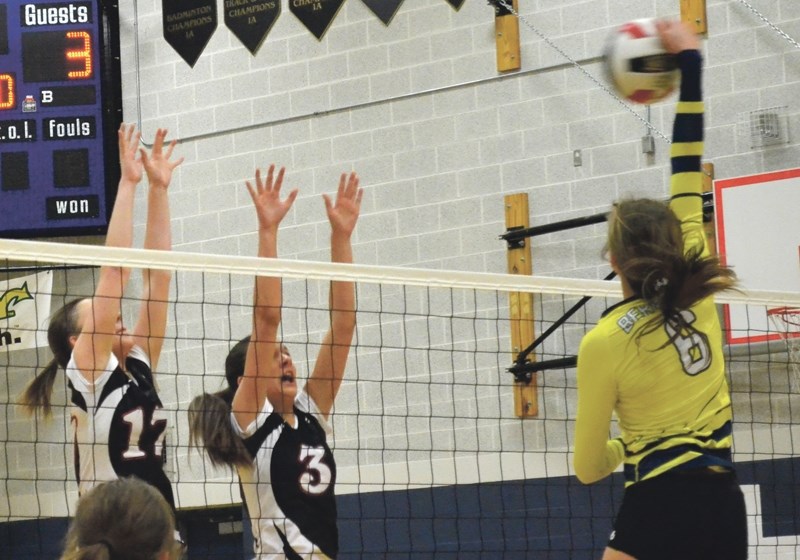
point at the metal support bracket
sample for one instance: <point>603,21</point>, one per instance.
<point>515,243</point>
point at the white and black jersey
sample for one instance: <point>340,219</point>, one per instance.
<point>289,491</point>
<point>118,425</point>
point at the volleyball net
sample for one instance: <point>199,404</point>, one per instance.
<point>432,459</point>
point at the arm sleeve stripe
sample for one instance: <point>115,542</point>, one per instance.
<point>687,149</point>
<point>681,195</point>
<point>690,107</point>
<point>686,164</point>
<point>688,127</point>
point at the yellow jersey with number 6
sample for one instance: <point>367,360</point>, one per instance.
<point>671,398</point>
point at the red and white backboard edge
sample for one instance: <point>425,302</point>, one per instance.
<point>758,235</point>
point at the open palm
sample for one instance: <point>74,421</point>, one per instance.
<point>157,164</point>
<point>266,197</point>
<point>343,212</point>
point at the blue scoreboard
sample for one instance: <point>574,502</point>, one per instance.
<point>60,108</point>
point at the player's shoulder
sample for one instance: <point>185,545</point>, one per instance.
<point>622,316</point>
<point>596,340</point>
<point>613,333</point>
<point>137,355</point>
<point>706,314</point>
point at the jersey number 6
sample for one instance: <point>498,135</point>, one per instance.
<point>692,345</point>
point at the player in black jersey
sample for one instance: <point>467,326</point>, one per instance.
<point>117,417</point>
<point>274,435</point>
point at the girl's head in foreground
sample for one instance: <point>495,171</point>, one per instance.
<point>126,519</point>
<point>647,249</point>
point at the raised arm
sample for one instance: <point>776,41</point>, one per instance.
<point>325,380</point>
<point>686,152</point>
<point>148,333</point>
<point>94,344</point>
<point>262,369</point>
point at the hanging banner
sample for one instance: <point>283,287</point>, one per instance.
<point>25,311</point>
<point>384,9</point>
<point>189,25</point>
<point>251,20</point>
<point>316,15</point>
<point>456,3</point>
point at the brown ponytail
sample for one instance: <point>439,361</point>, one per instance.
<point>210,416</point>
<point>647,243</point>
<point>210,427</point>
<point>63,325</point>
<point>36,395</point>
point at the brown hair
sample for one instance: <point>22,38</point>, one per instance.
<point>63,325</point>
<point>210,416</point>
<point>126,519</point>
<point>647,244</point>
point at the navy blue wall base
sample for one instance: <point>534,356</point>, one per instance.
<point>543,519</point>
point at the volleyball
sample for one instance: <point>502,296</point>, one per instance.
<point>636,64</point>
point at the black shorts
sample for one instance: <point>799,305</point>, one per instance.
<point>683,516</point>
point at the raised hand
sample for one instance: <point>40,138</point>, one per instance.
<point>343,212</point>
<point>266,197</point>
<point>677,36</point>
<point>157,164</point>
<point>130,165</point>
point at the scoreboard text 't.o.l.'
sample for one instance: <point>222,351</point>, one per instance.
<point>60,108</point>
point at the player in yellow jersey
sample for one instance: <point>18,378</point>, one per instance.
<point>656,360</point>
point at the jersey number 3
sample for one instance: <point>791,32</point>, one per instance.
<point>316,476</point>
<point>692,345</point>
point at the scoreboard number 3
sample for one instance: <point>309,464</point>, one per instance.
<point>72,61</point>
<point>82,54</point>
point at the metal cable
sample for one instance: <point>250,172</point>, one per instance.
<point>774,27</point>
<point>505,4</point>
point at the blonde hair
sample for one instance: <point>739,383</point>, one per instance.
<point>126,519</point>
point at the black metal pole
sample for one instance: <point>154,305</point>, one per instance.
<point>522,357</point>
<point>523,371</point>
<point>515,236</point>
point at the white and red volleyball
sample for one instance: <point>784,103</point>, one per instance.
<point>637,66</point>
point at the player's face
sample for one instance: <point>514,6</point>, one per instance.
<point>82,312</point>
<point>284,390</point>
<point>121,340</point>
<point>288,371</point>
<point>119,327</point>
